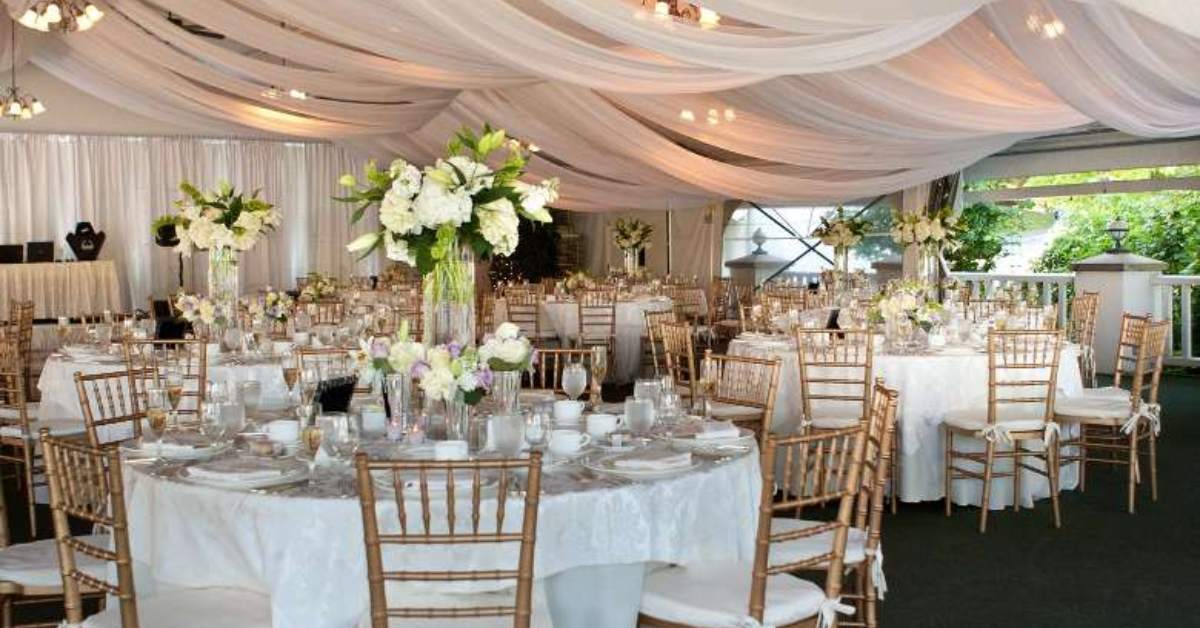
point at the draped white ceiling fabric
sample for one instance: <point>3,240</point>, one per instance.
<point>785,101</point>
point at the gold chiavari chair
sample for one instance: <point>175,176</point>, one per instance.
<point>744,390</point>
<point>19,425</point>
<point>775,303</point>
<point>150,363</point>
<point>984,309</point>
<point>818,469</point>
<point>752,318</point>
<point>524,309</point>
<point>680,356</point>
<point>86,483</point>
<point>111,412</point>
<point>689,304</point>
<point>598,320</point>
<point>1117,421</point>
<point>326,311</point>
<point>20,318</point>
<point>485,315</point>
<point>546,373</point>
<point>723,309</point>
<point>1081,329</point>
<point>652,343</point>
<point>835,376</point>
<point>449,523</point>
<point>864,553</point>
<point>1022,376</point>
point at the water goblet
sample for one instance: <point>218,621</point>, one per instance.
<point>574,380</point>
<point>508,432</point>
<point>251,395</point>
<point>639,415</point>
<point>536,427</point>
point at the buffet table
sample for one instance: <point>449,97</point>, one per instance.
<point>62,288</point>
<point>931,387</point>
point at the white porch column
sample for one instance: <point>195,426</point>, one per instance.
<point>912,201</point>
<point>1125,284</point>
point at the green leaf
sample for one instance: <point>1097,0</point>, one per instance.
<point>473,397</point>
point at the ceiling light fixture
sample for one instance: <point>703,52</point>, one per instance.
<point>667,9</point>
<point>65,15</point>
<point>14,103</point>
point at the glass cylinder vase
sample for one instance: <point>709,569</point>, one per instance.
<point>841,269</point>
<point>458,419</point>
<point>449,303</point>
<point>631,262</point>
<point>223,288</point>
<point>928,262</point>
<point>506,388</point>
<point>397,397</point>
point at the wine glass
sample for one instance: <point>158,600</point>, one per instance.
<point>706,385</point>
<point>537,425</point>
<point>174,381</point>
<point>509,433</point>
<point>310,379</point>
<point>62,330</point>
<point>648,389</point>
<point>639,415</point>
<point>574,380</point>
<point>251,396</point>
<point>339,435</point>
<point>212,424</point>
<point>599,367</point>
<point>156,414</point>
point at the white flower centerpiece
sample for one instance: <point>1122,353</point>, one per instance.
<point>273,305</point>
<point>506,353</point>
<point>209,318</point>
<point>441,218</point>
<point>841,232</point>
<point>223,222</point>
<point>631,236</point>
<point>931,232</point>
<point>317,287</point>
<point>904,308</point>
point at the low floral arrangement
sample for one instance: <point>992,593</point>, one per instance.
<point>450,370</point>
<point>318,287</point>
<point>907,299</point>
<point>578,280</point>
<point>197,309</point>
<point>632,234</point>
<point>507,349</point>
<point>273,305</point>
<point>841,231</point>
<point>225,218</point>
<point>382,356</point>
<point>935,228</point>
<point>425,215</point>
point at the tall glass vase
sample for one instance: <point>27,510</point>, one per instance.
<point>458,419</point>
<point>928,263</point>
<point>223,289</point>
<point>449,303</point>
<point>397,396</point>
<point>506,386</point>
<point>841,270</point>
<point>631,262</point>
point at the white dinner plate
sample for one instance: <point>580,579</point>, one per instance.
<point>150,450</point>
<point>290,472</point>
<point>604,464</point>
<point>744,438</point>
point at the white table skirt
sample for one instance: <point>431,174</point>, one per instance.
<point>307,553</point>
<point>61,401</point>
<point>563,318</point>
<point>62,288</point>
<point>931,387</point>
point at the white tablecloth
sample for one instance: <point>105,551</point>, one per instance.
<point>61,401</point>
<point>62,288</point>
<point>307,553</point>
<point>563,318</point>
<point>931,387</point>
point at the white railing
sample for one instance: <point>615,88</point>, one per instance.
<point>1050,287</point>
<point>1175,290</point>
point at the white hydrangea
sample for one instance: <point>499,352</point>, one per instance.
<point>407,180</point>
<point>534,198</point>
<point>436,205</point>
<point>498,223</point>
<point>404,354</point>
<point>478,175</point>
<point>395,212</point>
<point>397,251</point>
<point>438,383</point>
<point>508,331</point>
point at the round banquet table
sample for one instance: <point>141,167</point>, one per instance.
<point>595,538</point>
<point>61,401</point>
<point>563,318</point>
<point>931,386</point>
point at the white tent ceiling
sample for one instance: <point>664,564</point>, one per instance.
<point>809,100</point>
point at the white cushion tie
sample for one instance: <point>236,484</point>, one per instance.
<point>826,616</point>
<point>1089,358</point>
<point>750,622</point>
<point>1051,428</point>
<point>877,577</point>
<point>995,432</point>
<point>1152,412</point>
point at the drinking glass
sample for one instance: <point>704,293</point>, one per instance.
<point>706,385</point>
<point>251,395</point>
<point>233,415</point>
<point>508,432</point>
<point>156,414</point>
<point>212,424</point>
<point>648,389</point>
<point>639,415</point>
<point>339,435</point>
<point>537,425</point>
<point>574,380</point>
<point>310,378</point>
<point>599,364</point>
<point>670,407</point>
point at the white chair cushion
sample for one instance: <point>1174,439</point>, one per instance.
<point>1106,392</point>
<point>973,422</point>
<point>58,427</point>
<point>801,549</point>
<point>723,410</point>
<point>31,411</point>
<point>717,595</point>
<point>36,564</point>
<point>1096,410</point>
<point>193,608</point>
<point>835,422</point>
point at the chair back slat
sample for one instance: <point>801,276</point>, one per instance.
<point>1022,374</point>
<point>835,371</point>
<point>150,361</point>
<point>110,400</point>
<point>747,381</point>
<point>546,372</point>
<point>680,354</point>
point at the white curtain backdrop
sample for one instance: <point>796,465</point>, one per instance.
<point>119,184</point>
<point>826,100</point>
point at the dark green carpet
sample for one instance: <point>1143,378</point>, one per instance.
<point>1103,568</point>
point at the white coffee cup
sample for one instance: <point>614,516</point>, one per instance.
<point>601,425</point>
<point>283,431</point>
<point>567,411</point>
<point>450,450</point>
<point>568,442</point>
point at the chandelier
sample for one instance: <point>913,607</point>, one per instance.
<point>64,15</point>
<point>13,103</point>
<point>667,9</point>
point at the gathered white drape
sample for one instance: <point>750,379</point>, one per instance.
<point>825,100</point>
<point>120,184</point>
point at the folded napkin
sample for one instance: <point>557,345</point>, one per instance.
<point>653,460</point>
<point>236,470</point>
<point>714,430</point>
